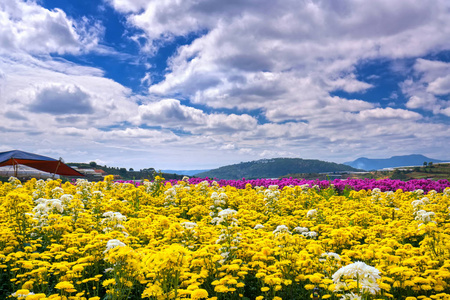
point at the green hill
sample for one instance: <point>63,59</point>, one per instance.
<point>274,168</point>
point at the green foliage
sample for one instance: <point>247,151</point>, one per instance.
<point>274,168</point>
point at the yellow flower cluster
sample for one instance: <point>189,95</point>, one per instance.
<point>106,240</point>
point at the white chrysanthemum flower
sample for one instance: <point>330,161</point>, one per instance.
<point>365,274</point>
<point>419,191</point>
<point>113,244</point>
<point>376,191</point>
<point>227,212</point>
<point>311,213</point>
<point>66,198</point>
<point>447,191</point>
<point>111,216</point>
<point>273,187</point>
<point>57,205</point>
<point>189,225</point>
<point>300,229</point>
<point>57,190</point>
<point>351,296</point>
<point>21,295</point>
<point>331,255</point>
<point>310,234</point>
<point>281,229</point>
<point>258,226</point>
<point>424,216</point>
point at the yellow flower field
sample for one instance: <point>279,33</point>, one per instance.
<point>109,240</point>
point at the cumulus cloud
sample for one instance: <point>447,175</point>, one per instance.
<point>27,27</point>
<point>429,88</point>
<point>61,100</point>
<point>314,39</point>
<point>171,113</point>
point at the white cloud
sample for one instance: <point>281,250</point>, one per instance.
<point>288,66</point>
<point>171,113</point>
<point>28,27</point>
<point>60,100</point>
<point>440,86</point>
<point>430,83</point>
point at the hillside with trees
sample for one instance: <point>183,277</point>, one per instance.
<point>274,168</point>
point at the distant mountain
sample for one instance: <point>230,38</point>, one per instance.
<point>184,172</point>
<point>274,168</point>
<point>393,162</point>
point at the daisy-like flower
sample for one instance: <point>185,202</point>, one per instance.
<point>113,244</point>
<point>300,229</point>
<point>365,274</point>
<point>331,255</point>
<point>424,216</point>
<point>189,225</point>
<point>281,229</point>
<point>310,234</point>
<point>351,296</point>
<point>311,213</point>
<point>258,226</point>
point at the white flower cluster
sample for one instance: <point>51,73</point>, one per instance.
<point>113,244</point>
<point>111,216</point>
<point>113,221</point>
<point>227,237</point>
<point>329,255</point>
<point>21,295</point>
<point>300,229</point>
<point>57,192</point>
<point>419,202</point>
<point>225,217</point>
<point>189,234</point>
<point>15,182</point>
<point>271,197</point>
<point>66,199</point>
<point>171,195</point>
<point>351,296</point>
<point>447,191</point>
<point>281,229</point>
<point>424,216</point>
<point>311,213</point>
<point>44,207</point>
<point>230,242</point>
<point>150,187</point>
<point>260,189</point>
<point>203,187</point>
<point>83,189</point>
<point>309,234</point>
<point>39,191</point>
<point>365,275</point>
<point>189,225</point>
<point>98,194</point>
<point>418,192</point>
<point>305,232</point>
<point>376,191</point>
<point>219,201</point>
<point>376,194</point>
<point>258,226</point>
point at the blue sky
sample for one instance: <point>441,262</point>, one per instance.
<point>201,84</point>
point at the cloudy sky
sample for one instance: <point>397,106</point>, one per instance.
<point>198,84</point>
